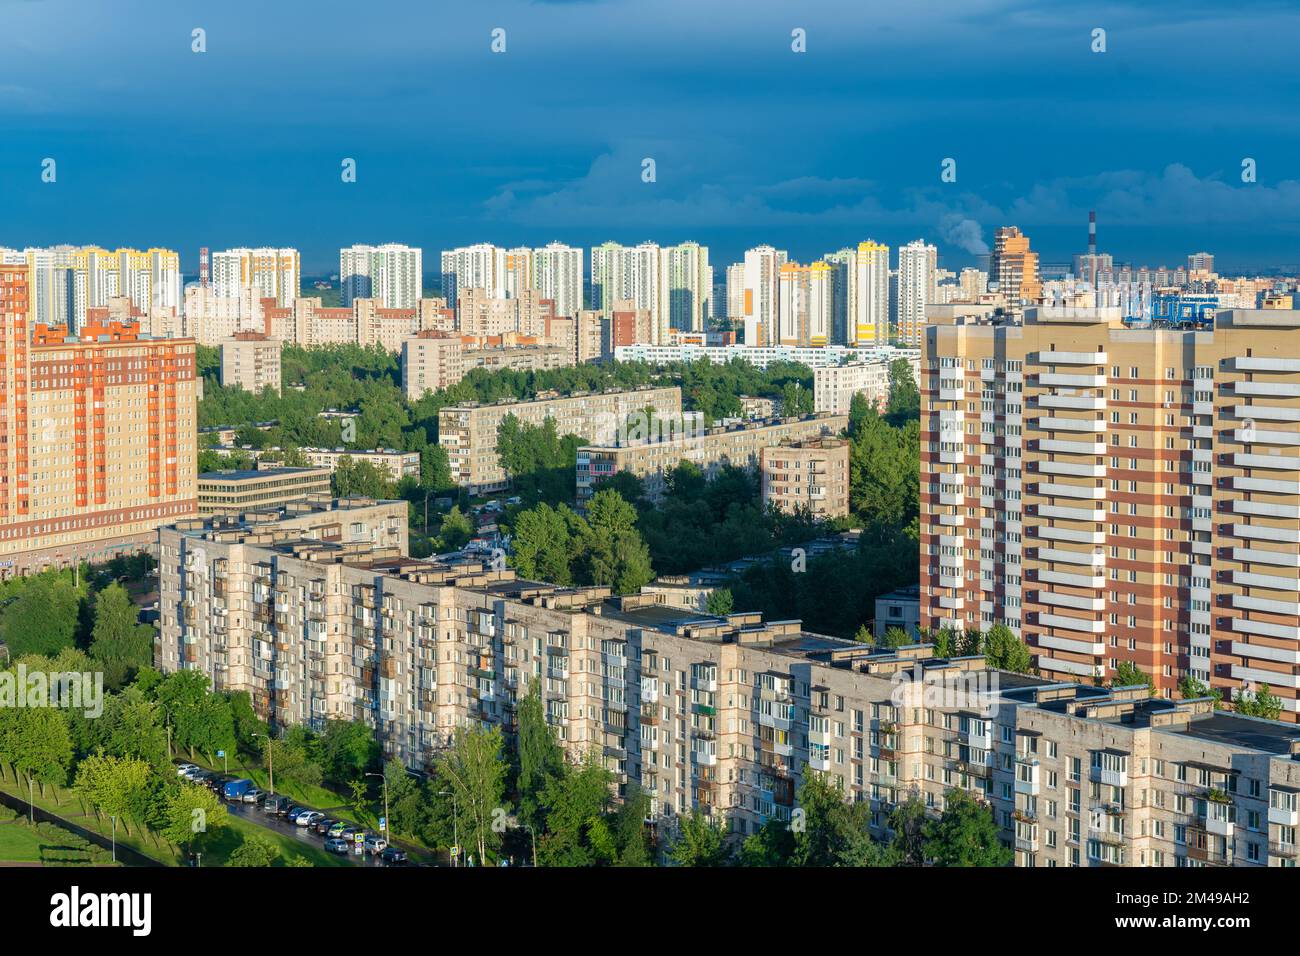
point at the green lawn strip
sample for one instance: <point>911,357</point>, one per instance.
<point>19,843</point>
<point>70,807</point>
<point>237,830</point>
<point>47,843</point>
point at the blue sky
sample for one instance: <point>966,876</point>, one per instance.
<point>242,145</point>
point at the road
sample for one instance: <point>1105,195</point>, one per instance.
<point>253,813</point>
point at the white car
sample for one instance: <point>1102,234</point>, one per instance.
<point>375,843</point>
<point>185,769</point>
<point>307,819</point>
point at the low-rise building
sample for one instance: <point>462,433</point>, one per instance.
<point>807,476</point>
<point>740,445</point>
<point>469,431</point>
<point>398,464</point>
<point>901,608</point>
<point>251,361</point>
<point>236,492</point>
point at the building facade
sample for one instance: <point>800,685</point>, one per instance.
<point>251,361</point>
<point>469,432</point>
<point>239,492</point>
<point>97,437</point>
<point>809,476</point>
<point>1119,495</point>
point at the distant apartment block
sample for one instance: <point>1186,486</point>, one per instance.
<point>434,360</point>
<point>392,275</point>
<point>813,357</point>
<point>251,361</point>
<point>263,273</point>
<point>1119,495</point>
<point>469,432</point>
<point>835,385</point>
<point>808,476</point>
<point>239,492</point>
<point>396,464</point>
<point>97,437</point>
<point>739,445</point>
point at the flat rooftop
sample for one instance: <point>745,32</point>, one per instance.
<point>250,474</point>
<point>1234,730</point>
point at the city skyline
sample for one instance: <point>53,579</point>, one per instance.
<point>857,151</point>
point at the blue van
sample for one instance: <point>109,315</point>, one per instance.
<point>236,789</point>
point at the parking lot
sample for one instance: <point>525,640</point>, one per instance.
<point>258,814</point>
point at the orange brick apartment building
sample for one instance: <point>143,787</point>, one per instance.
<point>97,436</point>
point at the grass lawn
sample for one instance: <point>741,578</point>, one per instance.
<point>18,844</point>
<point>45,843</point>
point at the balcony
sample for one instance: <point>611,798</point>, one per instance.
<point>1054,357</point>
<point>1066,556</point>
<point>1054,424</point>
<point>1266,413</point>
<point>1261,364</point>
<point>1075,469</point>
<point>1060,490</point>
<point>1086,625</point>
<point>1071,580</point>
<point>1027,774</point>
<point>1242,459</point>
<point>1067,380</point>
<point>1283,806</point>
<point>1094,516</point>
<point>1088,403</point>
<point>1260,436</point>
<point>1062,446</point>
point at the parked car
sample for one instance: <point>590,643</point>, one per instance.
<point>349,833</point>
<point>218,781</point>
<point>285,808</point>
<point>338,828</point>
<point>308,817</point>
<point>375,843</point>
<point>185,769</point>
<point>392,856</point>
<point>294,813</point>
<point>336,845</point>
<point>254,795</point>
<point>323,825</point>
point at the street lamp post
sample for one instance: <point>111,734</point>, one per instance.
<point>533,833</point>
<point>31,802</point>
<point>455,824</point>
<point>113,817</point>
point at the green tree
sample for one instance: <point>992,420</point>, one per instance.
<point>541,759</point>
<point>895,637</point>
<point>114,786</point>
<point>346,749</point>
<point>904,396</point>
<point>542,544</point>
<point>576,806</point>
<point>1128,674</point>
<point>475,771</point>
<point>191,817</point>
<point>830,831</point>
<point>1004,651</point>
<point>35,741</point>
<point>964,835</point>
<point>254,851</point>
<point>614,552</point>
<point>720,602</point>
<point>907,821</point>
<point>699,841</point>
<point>42,619</point>
<point>362,478</point>
<point>1258,703</point>
<point>119,643</point>
<point>1192,689</point>
<point>456,530</point>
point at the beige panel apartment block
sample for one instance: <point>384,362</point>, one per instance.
<point>807,477</point>
<point>235,492</point>
<point>469,432</point>
<point>251,361</point>
<point>739,445</point>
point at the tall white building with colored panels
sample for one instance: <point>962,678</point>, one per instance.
<point>606,276</point>
<point>391,274</point>
<point>843,272</point>
<point>519,276</point>
<point>267,273</point>
<point>806,310</point>
<point>918,266</point>
<point>688,280</point>
<point>870,295</point>
<point>761,305</point>
<point>735,305</point>
<point>557,275</point>
<point>480,266</point>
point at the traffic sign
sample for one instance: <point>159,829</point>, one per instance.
<point>455,851</point>
<point>383,823</point>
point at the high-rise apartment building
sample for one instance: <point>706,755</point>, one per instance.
<point>869,295</point>
<point>266,273</point>
<point>835,385</point>
<point>391,274</point>
<point>917,287</point>
<point>1200,262</point>
<point>97,436</point>
<point>1015,268</point>
<point>483,267</point>
<point>1119,495</point>
<point>688,281</point>
<point>806,310</point>
<point>760,305</point>
<point>557,275</point>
